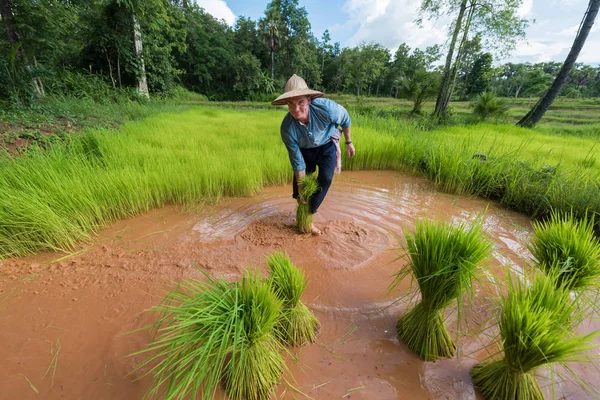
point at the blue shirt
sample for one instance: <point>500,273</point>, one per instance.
<point>324,117</point>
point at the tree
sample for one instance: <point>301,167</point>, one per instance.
<point>418,87</point>
<point>14,39</point>
<point>538,111</point>
<point>497,21</point>
<point>269,27</point>
<point>480,77</point>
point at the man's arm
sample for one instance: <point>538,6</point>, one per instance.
<point>350,150</point>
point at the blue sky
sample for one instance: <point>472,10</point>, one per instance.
<point>390,22</point>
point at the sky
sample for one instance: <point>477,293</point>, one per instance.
<point>391,23</point>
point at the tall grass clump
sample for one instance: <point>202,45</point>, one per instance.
<point>297,325</point>
<point>303,212</point>
<point>487,104</point>
<point>256,363</point>
<point>537,328</point>
<point>567,249</point>
<point>213,332</point>
<point>442,259</point>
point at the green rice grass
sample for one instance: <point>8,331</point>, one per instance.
<point>537,328</point>
<point>567,249</point>
<point>442,259</point>
<point>297,325</point>
<point>256,365</point>
<point>303,212</point>
<point>211,332</point>
<point>51,200</point>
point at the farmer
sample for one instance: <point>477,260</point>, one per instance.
<point>311,134</point>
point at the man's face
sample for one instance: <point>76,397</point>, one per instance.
<point>298,107</point>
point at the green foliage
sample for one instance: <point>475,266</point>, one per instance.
<point>442,259</point>
<point>303,212</point>
<point>480,77</point>
<point>487,105</point>
<point>211,329</point>
<point>567,249</point>
<point>297,325</point>
<point>418,87</point>
<point>538,327</point>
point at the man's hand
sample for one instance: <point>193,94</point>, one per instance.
<point>300,189</point>
<point>350,150</point>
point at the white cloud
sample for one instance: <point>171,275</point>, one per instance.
<point>391,23</point>
<point>526,8</point>
<point>218,9</point>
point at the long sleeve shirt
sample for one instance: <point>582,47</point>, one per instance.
<point>324,118</point>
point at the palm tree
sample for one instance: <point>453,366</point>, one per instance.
<point>270,32</point>
<point>538,111</point>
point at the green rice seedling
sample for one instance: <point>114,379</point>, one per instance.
<point>568,249</point>
<point>216,332</point>
<point>537,328</point>
<point>303,214</point>
<point>256,363</point>
<point>442,259</point>
<point>297,325</point>
<point>200,324</point>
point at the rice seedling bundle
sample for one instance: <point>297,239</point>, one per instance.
<point>442,259</point>
<point>303,212</point>
<point>537,326</point>
<point>199,325</point>
<point>215,332</point>
<point>256,363</point>
<point>568,249</point>
<point>297,325</point>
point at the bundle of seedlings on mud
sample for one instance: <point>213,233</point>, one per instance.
<point>297,325</point>
<point>215,332</point>
<point>442,258</point>
<point>255,365</point>
<point>538,324</point>
<point>567,249</point>
<point>303,212</point>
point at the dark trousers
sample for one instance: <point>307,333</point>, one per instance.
<point>323,157</point>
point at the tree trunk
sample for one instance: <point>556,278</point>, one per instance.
<point>460,55</point>
<point>119,70</point>
<point>538,110</point>
<point>441,105</point>
<point>110,70</point>
<point>142,83</point>
<point>272,63</point>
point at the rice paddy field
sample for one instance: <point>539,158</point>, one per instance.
<point>95,229</point>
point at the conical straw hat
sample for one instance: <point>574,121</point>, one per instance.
<point>295,87</point>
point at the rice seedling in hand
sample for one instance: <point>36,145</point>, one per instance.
<point>442,259</point>
<point>303,212</point>
<point>537,326</point>
<point>297,325</point>
<point>256,363</point>
<point>200,325</point>
<point>568,249</point>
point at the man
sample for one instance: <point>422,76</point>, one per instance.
<point>310,133</point>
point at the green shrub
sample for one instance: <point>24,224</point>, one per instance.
<point>488,105</point>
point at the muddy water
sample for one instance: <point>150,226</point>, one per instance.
<point>64,318</point>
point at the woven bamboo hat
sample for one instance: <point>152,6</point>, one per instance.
<point>295,87</point>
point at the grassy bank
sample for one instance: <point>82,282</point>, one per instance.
<point>54,198</point>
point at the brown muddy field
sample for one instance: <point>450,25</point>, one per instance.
<point>64,318</point>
